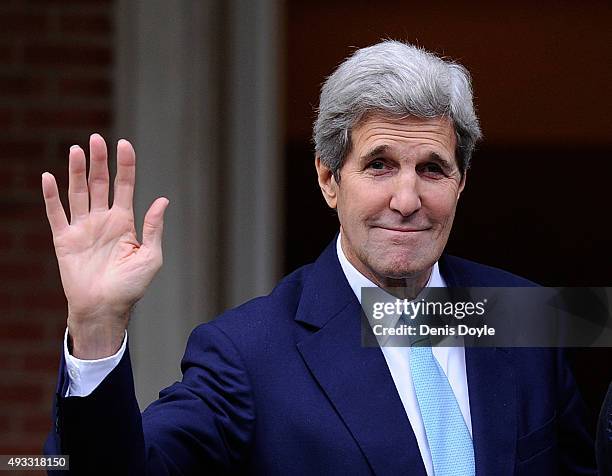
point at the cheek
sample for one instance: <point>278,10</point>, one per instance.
<point>446,214</point>
<point>360,204</point>
<point>442,206</point>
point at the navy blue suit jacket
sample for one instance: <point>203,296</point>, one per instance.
<point>604,436</point>
<point>282,386</point>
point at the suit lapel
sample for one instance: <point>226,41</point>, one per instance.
<point>356,379</point>
<point>493,401</point>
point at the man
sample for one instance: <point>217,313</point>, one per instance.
<point>282,384</point>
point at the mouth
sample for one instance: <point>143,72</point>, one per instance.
<point>402,229</point>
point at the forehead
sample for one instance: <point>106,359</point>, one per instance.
<point>404,134</point>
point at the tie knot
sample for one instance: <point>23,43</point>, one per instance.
<point>417,340</point>
<point>420,341</point>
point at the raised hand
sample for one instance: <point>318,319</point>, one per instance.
<point>103,267</point>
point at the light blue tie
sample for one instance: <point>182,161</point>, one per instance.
<point>450,442</point>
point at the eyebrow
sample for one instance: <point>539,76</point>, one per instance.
<point>382,149</point>
<point>438,158</point>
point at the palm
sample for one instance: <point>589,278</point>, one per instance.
<point>100,260</point>
<point>104,268</point>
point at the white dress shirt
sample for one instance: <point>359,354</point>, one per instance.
<point>86,375</point>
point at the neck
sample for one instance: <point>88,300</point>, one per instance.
<point>406,287</point>
<point>403,288</point>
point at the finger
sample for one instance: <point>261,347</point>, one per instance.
<point>78,193</point>
<point>53,205</point>
<point>126,175</point>
<point>98,173</point>
<point>153,227</point>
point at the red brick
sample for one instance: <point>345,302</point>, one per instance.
<point>16,23</point>
<point>6,241</point>
<point>32,181</point>
<point>26,447</point>
<point>7,301</point>
<point>23,212</point>
<point>101,3</point>
<point>21,85</point>
<point>19,270</point>
<point>39,246</point>
<point>7,54</point>
<point>38,240</point>
<point>31,149</point>
<point>9,361</point>
<point>33,311</point>
<point>6,181</point>
<point>62,55</point>
<point>46,300</point>
<point>81,118</point>
<point>7,117</point>
<point>86,87</point>
<point>21,331</point>
<point>58,327</point>
<point>33,472</point>
<point>36,423</point>
<point>20,393</point>
<point>33,307</point>
<point>45,362</point>
<point>85,24</point>
<point>4,421</point>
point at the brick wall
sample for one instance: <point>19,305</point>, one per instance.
<point>55,89</point>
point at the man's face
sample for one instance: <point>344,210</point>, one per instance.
<point>396,197</point>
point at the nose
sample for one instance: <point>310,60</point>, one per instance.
<point>405,197</point>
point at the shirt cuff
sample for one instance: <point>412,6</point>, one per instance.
<point>84,376</point>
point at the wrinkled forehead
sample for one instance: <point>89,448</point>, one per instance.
<point>377,130</point>
<point>382,116</point>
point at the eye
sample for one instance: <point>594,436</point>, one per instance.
<point>377,165</point>
<point>432,168</point>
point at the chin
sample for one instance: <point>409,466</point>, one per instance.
<point>403,269</point>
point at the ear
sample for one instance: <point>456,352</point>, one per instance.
<point>327,182</point>
<point>462,184</point>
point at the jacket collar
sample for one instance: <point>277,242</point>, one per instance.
<point>326,291</point>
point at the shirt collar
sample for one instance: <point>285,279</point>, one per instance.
<point>357,280</point>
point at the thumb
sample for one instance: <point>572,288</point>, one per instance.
<point>153,226</point>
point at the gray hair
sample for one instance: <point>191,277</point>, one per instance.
<point>398,80</point>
